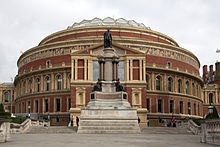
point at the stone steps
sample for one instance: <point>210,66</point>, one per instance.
<point>165,130</point>
<point>107,123</point>
<point>108,131</point>
<point>50,130</point>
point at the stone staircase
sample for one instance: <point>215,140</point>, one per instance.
<point>108,126</point>
<point>50,130</point>
<point>165,130</point>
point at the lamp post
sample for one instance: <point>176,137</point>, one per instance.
<point>210,109</point>
<point>11,94</point>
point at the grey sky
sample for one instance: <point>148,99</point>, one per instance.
<point>194,24</point>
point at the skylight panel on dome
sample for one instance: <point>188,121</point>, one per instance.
<point>122,22</point>
<point>96,21</point>
<point>133,23</point>
<point>108,21</point>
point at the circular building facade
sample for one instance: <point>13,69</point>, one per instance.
<point>56,77</point>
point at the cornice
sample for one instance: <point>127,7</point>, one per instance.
<point>166,93</point>
<point>168,70</point>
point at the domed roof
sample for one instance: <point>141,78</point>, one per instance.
<point>109,21</point>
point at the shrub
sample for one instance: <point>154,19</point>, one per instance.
<point>18,120</point>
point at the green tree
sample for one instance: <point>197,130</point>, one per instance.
<point>1,108</point>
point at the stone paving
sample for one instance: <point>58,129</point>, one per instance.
<point>150,137</point>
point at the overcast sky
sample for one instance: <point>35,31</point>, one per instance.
<point>194,24</point>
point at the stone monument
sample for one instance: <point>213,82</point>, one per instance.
<point>108,110</point>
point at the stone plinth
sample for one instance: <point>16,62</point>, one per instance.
<point>96,121</point>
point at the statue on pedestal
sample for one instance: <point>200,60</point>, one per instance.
<point>107,39</point>
<point>118,86</point>
<point>98,86</point>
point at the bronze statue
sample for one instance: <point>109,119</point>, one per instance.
<point>107,39</point>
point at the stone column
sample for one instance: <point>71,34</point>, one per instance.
<point>52,81</point>
<point>85,69</point>
<point>90,77</point>
<point>127,70</point>
<point>144,70</point>
<point>72,69</point>
<point>140,69</point>
<point>41,83</point>
<point>108,70</point>
<point>76,62</point>
<point>153,81</point>
<point>64,80</point>
<point>131,69</point>
<point>165,82</point>
<point>116,69</point>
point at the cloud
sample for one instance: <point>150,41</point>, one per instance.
<point>194,24</point>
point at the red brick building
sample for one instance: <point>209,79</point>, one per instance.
<point>161,78</point>
<point>211,93</point>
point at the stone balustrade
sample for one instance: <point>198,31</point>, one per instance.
<point>210,131</point>
<point>192,126</point>
<point>20,128</point>
<point>4,130</point>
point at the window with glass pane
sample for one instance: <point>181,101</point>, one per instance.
<point>59,82</point>
<point>194,108</point>
<point>30,84</point>
<point>38,85</point>
<point>189,108</point>
<point>36,105</point>
<point>179,86</point>
<point>171,106</point>
<point>57,105</point>
<point>46,105</point>
<point>48,83</point>
<point>121,70</point>
<point>158,81</point>
<point>169,84</point>
<point>95,70</point>
<point>69,103</point>
<point>210,98</point>
<point>6,97</point>
<point>187,87</point>
<point>160,105</point>
<point>148,104</point>
<point>181,107</point>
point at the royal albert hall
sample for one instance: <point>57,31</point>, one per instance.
<point>56,77</point>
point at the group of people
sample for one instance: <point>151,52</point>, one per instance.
<point>77,122</point>
<point>172,122</point>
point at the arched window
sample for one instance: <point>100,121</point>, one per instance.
<point>147,82</point>
<point>47,83</point>
<point>38,85</point>
<point>6,97</point>
<point>30,86</point>
<point>179,85</point>
<point>210,98</point>
<point>187,87</point>
<point>158,83</point>
<point>170,84</point>
<point>193,89</point>
<point>59,82</point>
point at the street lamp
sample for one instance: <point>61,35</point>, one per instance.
<point>210,109</point>
<point>11,93</point>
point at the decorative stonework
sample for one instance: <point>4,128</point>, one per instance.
<point>50,53</point>
<point>167,54</point>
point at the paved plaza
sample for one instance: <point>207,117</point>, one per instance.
<point>150,137</point>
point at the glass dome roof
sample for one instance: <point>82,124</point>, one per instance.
<point>109,21</point>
